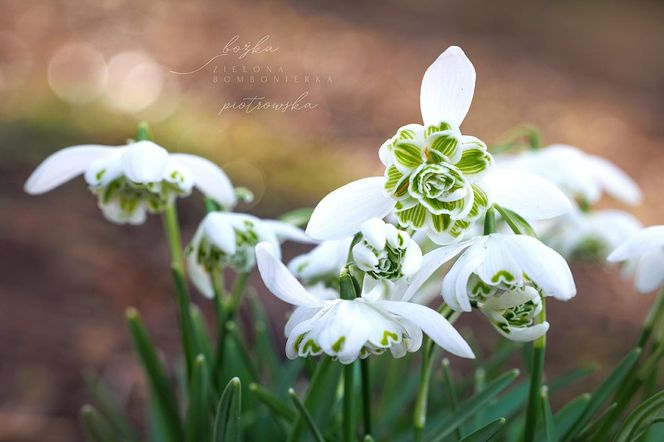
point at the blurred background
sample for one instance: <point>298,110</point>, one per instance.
<point>293,100</point>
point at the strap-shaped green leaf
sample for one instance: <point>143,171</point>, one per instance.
<point>109,407</point>
<point>570,413</point>
<point>589,432</point>
<point>550,434</point>
<point>297,217</point>
<point>642,417</point>
<point>96,427</point>
<point>160,388</point>
<point>271,401</point>
<point>227,419</point>
<point>197,423</point>
<point>306,416</point>
<point>486,432</point>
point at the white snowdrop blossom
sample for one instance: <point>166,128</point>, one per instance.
<point>589,236</point>
<point>348,329</point>
<point>132,180</point>
<point>581,176</point>
<point>385,252</point>
<point>323,263</point>
<point>225,239</point>
<point>503,275</point>
<point>646,248</point>
<point>436,179</point>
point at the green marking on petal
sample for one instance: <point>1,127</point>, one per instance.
<point>440,223</point>
<point>443,126</point>
<point>389,336</point>
<point>311,346</point>
<point>480,202</point>
<point>406,134</point>
<point>474,160</point>
<point>414,216</point>
<point>393,177</point>
<point>338,344</point>
<point>408,154</point>
<point>503,275</point>
<point>443,147</point>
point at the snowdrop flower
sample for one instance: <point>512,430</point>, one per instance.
<point>501,274</point>
<point>581,176</point>
<point>348,329</point>
<point>385,252</point>
<point>580,235</point>
<point>647,248</point>
<point>323,263</point>
<point>132,180</point>
<point>436,179</point>
<point>225,239</point>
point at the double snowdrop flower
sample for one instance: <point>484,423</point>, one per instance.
<point>581,176</point>
<point>646,248</point>
<point>348,329</point>
<point>436,179</point>
<point>225,239</point>
<point>131,180</point>
<point>504,276</point>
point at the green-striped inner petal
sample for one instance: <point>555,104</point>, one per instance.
<point>408,154</point>
<point>443,147</point>
<point>414,216</point>
<point>443,126</point>
<point>474,160</point>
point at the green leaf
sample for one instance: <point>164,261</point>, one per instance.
<point>305,416</point>
<point>604,390</point>
<point>642,417</point>
<point>95,426</point>
<point>268,359</point>
<point>486,432</point>
<point>197,423</point>
<point>590,430</point>
<point>469,407</point>
<point>566,416</point>
<point>516,222</point>
<point>227,419</point>
<point>110,408</point>
<point>160,388</point>
<point>549,423</point>
<point>200,332</point>
<point>297,217</point>
<point>188,335</point>
<point>271,401</point>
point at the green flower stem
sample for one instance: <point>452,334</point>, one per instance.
<point>653,318</point>
<point>348,404</point>
<point>537,369</point>
<point>366,396</point>
<point>172,232</point>
<point>428,357</point>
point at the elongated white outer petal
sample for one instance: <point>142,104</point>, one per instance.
<point>209,178</point>
<point>280,281</point>
<point>455,283</point>
<point>431,262</point>
<point>412,260</point>
<point>447,88</point>
<point>64,165</point>
<point>526,334</point>
<point>219,229</point>
<point>433,324</point>
<point>527,194</point>
<point>648,239</point>
<point>616,182</point>
<point>145,162</point>
<point>374,231</point>
<point>650,271</point>
<point>342,212</point>
<point>288,232</point>
<point>199,276</point>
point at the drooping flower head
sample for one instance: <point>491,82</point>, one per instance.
<point>646,248</point>
<point>504,276</point>
<point>131,180</point>
<point>348,329</point>
<point>436,179</point>
<point>225,239</point>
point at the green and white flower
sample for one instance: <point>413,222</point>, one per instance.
<point>581,176</point>
<point>436,179</point>
<point>225,239</point>
<point>323,263</point>
<point>500,274</point>
<point>351,329</point>
<point>385,252</point>
<point>646,249</point>
<point>132,180</point>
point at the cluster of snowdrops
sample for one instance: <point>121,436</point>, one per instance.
<point>450,224</point>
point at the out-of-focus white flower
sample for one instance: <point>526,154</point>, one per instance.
<point>436,179</point>
<point>348,329</point>
<point>500,274</point>
<point>581,176</point>
<point>385,252</point>
<point>647,249</point>
<point>225,239</point>
<point>323,263</point>
<point>132,180</point>
<point>592,235</point>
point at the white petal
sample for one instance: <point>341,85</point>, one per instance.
<point>412,260</point>
<point>648,239</point>
<point>511,299</point>
<point>219,230</point>
<point>433,324</point>
<point>650,272</point>
<point>298,316</point>
<point>447,88</point>
<point>280,281</point>
<point>374,231</point>
<point>209,178</point>
<point>145,162</point>
<point>455,283</point>
<point>498,259</point>
<point>113,212</point>
<point>64,165</point>
<point>342,212</point>
<point>199,276</point>
<point>179,174</point>
<point>325,260</point>
<point>527,194</point>
<point>288,232</point>
<point>526,334</point>
<point>431,262</point>
<point>364,258</point>
<point>104,170</point>
<point>616,182</point>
